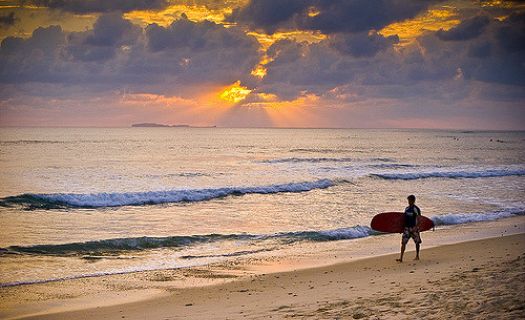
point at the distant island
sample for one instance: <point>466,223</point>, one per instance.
<point>158,125</point>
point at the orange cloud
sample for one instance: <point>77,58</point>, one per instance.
<point>235,93</point>
<point>214,11</point>
<point>150,99</point>
<point>266,40</point>
<point>444,17</point>
<point>31,17</point>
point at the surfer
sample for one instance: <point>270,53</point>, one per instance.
<point>412,213</point>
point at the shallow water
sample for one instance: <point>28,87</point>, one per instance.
<point>83,202</point>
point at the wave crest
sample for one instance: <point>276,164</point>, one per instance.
<point>325,159</point>
<point>311,160</point>
<point>145,243</point>
<point>461,218</point>
<point>489,173</point>
<point>100,200</point>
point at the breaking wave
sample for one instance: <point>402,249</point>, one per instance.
<point>103,249</point>
<point>101,200</point>
<point>461,218</point>
<point>451,174</point>
<point>324,159</point>
<point>145,243</point>
<point>118,245</point>
<point>312,160</point>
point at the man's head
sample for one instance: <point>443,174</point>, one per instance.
<point>411,199</point>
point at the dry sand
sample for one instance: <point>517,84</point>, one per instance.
<point>482,279</point>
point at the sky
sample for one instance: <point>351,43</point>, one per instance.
<point>456,64</point>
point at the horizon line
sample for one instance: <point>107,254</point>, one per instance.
<point>260,127</point>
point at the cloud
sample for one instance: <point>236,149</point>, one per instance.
<point>359,15</point>
<point>31,59</point>
<point>467,29</point>
<point>111,29</point>
<point>298,67</point>
<point>110,32</point>
<point>432,67</point>
<point>494,56</point>
<point>200,51</point>
<point>325,16</point>
<point>185,34</point>
<point>351,75</point>
<point>511,33</point>
<point>8,20</point>
<point>117,53</point>
<point>363,44</point>
<point>268,14</point>
<point>359,59</point>
<point>100,6</point>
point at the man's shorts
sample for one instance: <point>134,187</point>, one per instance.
<point>411,233</point>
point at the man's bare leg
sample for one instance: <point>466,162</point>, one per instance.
<point>403,246</point>
<point>417,252</point>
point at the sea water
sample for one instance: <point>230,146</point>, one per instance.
<point>82,202</point>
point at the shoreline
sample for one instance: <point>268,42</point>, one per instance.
<point>96,297</point>
<point>480,277</point>
<point>321,253</point>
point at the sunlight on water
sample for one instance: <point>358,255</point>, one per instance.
<point>97,201</point>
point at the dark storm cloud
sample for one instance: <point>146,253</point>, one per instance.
<point>360,15</point>
<point>7,20</point>
<point>497,55</point>
<point>363,44</point>
<point>100,6</point>
<point>32,59</point>
<point>268,14</point>
<point>201,51</point>
<point>326,16</point>
<point>432,67</point>
<point>185,34</point>
<point>117,53</point>
<point>511,34</point>
<point>297,68</point>
<point>306,65</point>
<point>467,29</point>
<point>110,32</point>
<point>481,60</point>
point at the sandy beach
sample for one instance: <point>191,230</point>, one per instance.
<point>477,279</point>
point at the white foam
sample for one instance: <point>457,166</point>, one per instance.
<point>97,200</point>
<point>451,174</point>
<point>348,233</point>
<point>312,160</point>
<point>461,218</point>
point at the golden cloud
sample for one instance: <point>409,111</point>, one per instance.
<point>444,17</point>
<point>235,93</point>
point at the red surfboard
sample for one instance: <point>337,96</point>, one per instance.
<point>394,222</point>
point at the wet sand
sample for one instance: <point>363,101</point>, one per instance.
<point>475,279</point>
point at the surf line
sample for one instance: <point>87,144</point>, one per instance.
<point>100,200</point>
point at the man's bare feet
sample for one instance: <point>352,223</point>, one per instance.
<point>416,258</point>
<point>399,260</point>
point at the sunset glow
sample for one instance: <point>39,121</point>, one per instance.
<point>432,20</point>
<point>415,57</point>
<point>167,16</point>
<point>235,93</point>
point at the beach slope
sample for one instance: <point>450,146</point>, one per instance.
<point>483,279</point>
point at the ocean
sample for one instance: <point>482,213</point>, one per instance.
<point>84,202</point>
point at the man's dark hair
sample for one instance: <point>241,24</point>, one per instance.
<point>411,197</point>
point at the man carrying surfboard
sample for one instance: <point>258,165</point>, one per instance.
<point>412,214</point>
